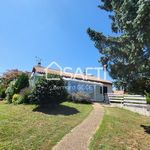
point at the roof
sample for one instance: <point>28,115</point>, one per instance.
<point>43,70</point>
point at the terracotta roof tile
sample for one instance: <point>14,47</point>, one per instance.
<point>43,70</point>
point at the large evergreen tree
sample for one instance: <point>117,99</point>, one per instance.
<point>127,56</point>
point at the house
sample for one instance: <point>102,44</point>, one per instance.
<point>92,86</point>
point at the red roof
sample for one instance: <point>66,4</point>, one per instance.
<point>42,70</point>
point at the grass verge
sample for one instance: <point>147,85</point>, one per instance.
<point>23,128</point>
<point>121,130</point>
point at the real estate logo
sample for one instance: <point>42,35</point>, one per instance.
<point>79,73</point>
<point>50,67</point>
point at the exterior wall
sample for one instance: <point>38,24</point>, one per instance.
<point>109,90</point>
<point>98,95</point>
<point>75,86</point>
<point>91,89</point>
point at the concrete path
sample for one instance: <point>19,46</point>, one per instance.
<point>79,137</point>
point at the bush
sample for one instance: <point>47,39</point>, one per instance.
<point>17,99</point>
<point>25,93</point>
<point>2,93</point>
<point>10,91</point>
<point>16,85</point>
<point>80,97</point>
<point>148,98</point>
<point>2,88</point>
<point>49,91</point>
<point>22,82</point>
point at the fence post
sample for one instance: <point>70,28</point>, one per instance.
<point>123,99</point>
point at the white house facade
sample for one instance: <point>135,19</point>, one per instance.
<point>92,86</point>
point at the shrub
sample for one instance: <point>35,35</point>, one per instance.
<point>49,91</point>
<point>148,98</point>
<point>22,82</point>
<point>80,97</point>
<point>2,88</point>
<point>2,92</point>
<point>17,99</point>
<point>15,86</point>
<point>25,93</point>
<point>10,91</point>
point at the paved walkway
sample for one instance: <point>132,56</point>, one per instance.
<point>79,137</point>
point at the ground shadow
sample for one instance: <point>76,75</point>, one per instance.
<point>57,110</point>
<point>146,128</point>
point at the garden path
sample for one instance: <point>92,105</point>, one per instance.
<point>79,138</point>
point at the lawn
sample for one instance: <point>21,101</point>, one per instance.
<point>121,130</point>
<point>29,127</point>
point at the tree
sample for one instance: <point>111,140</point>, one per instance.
<point>126,55</point>
<point>9,76</point>
<point>49,91</point>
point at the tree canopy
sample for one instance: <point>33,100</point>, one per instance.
<point>126,55</point>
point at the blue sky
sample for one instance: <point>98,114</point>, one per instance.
<point>54,30</point>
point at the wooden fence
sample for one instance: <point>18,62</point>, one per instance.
<point>128,100</point>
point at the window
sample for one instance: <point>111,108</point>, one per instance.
<point>101,90</point>
<point>105,90</point>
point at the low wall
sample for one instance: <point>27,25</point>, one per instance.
<point>139,110</point>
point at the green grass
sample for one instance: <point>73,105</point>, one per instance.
<point>21,128</point>
<point>122,130</point>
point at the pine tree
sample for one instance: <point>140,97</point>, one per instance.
<point>127,55</point>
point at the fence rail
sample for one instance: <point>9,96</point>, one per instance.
<point>128,100</point>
